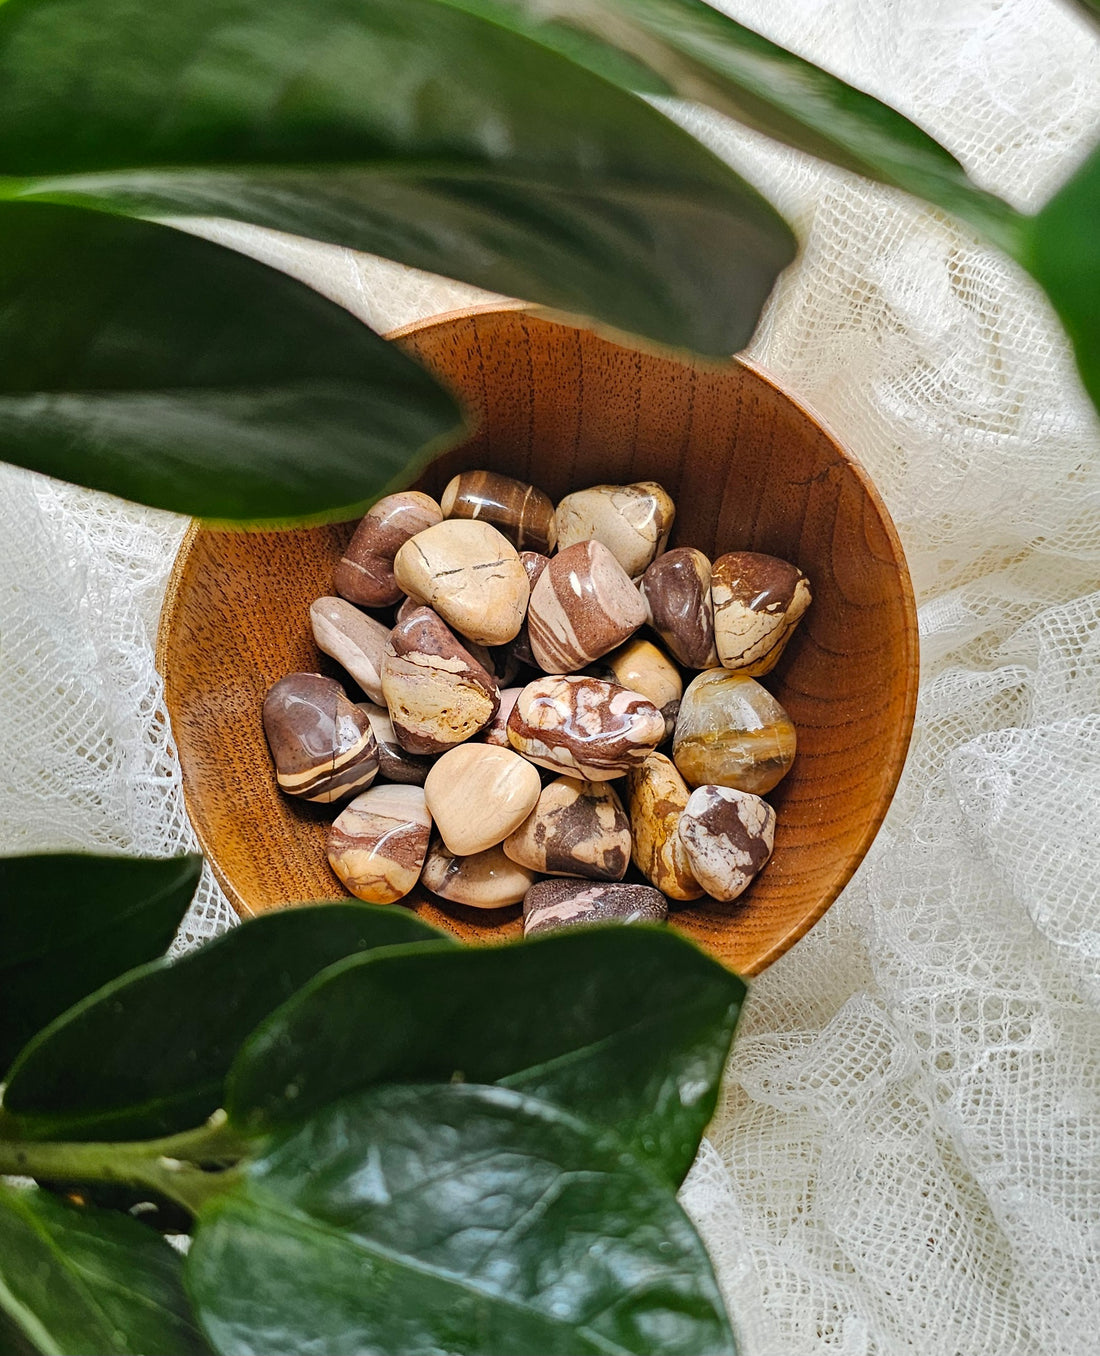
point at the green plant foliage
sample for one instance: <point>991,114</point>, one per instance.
<point>628,1027</point>
<point>455,1219</point>
<point>69,922</point>
<point>1062,250</point>
<point>76,1281</point>
<point>147,1055</point>
<point>140,360</point>
<point>409,128</point>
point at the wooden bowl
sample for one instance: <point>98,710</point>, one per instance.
<point>749,469</point>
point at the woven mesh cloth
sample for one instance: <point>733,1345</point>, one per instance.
<point>907,1154</point>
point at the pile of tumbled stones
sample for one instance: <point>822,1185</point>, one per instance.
<point>510,691</point>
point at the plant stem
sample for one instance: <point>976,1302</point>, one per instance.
<point>175,1166</point>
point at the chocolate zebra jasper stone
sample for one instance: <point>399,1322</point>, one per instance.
<point>582,606</point>
<point>378,844</point>
<point>322,744</point>
<point>584,727</point>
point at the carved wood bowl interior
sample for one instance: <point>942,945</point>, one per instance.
<point>749,469</point>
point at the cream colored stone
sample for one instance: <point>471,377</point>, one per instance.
<point>487,880</point>
<point>378,843</point>
<point>478,793</point>
<point>657,797</point>
<point>728,836</point>
<point>632,521</point>
<point>758,601</point>
<point>470,574</point>
<point>353,639</point>
<point>640,666</point>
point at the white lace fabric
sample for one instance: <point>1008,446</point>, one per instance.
<point>906,1158</point>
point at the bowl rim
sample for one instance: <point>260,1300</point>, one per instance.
<point>903,730</point>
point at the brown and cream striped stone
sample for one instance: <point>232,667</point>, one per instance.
<point>478,793</point>
<point>576,829</point>
<point>641,667</point>
<point>496,732</point>
<point>522,513</point>
<point>582,606</point>
<point>378,844</point>
<point>353,639</point>
<point>471,576</point>
<point>732,732</point>
<point>437,693</point>
<point>322,744</point>
<point>584,727</point>
<point>394,764</point>
<point>365,574</point>
<point>657,798</point>
<point>728,836</point>
<point>632,521</point>
<point>676,589</point>
<point>758,601</point>
<point>486,880</point>
<point>552,905</point>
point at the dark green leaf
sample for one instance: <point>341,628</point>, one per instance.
<point>148,1054</point>
<point>629,1027</point>
<point>70,922</point>
<point>452,1219</point>
<point>84,1280</point>
<point>1062,250</point>
<point>140,360</point>
<point>701,54</point>
<point>409,128</point>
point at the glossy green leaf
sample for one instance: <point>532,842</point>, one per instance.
<point>147,1055</point>
<point>1062,250</point>
<point>629,1027</point>
<point>76,1281</point>
<point>410,128</point>
<point>70,922</point>
<point>702,54</point>
<point>456,1219</point>
<point>140,360</point>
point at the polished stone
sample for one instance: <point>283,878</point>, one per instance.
<point>576,829</point>
<point>322,744</point>
<point>728,836</point>
<point>470,574</point>
<point>641,667</point>
<point>487,880</point>
<point>437,693</point>
<point>657,797</point>
<point>552,905</point>
<point>732,732</point>
<point>378,844</point>
<point>676,589</point>
<point>478,793</point>
<point>584,727</point>
<point>365,574</point>
<point>582,606</point>
<point>758,601</point>
<point>354,640</point>
<point>521,512</point>
<point>632,521</point>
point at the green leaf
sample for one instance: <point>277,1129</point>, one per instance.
<point>629,1027</point>
<point>85,1280</point>
<point>140,360</point>
<point>452,1219</point>
<point>410,128</point>
<point>701,54</point>
<point>70,922</point>
<point>148,1054</point>
<point>1062,251</point>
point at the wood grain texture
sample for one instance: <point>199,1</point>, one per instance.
<point>749,468</point>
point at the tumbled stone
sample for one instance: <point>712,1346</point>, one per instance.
<point>584,727</point>
<point>522,513</point>
<point>353,639</point>
<point>486,880</point>
<point>470,575</point>
<point>437,693</point>
<point>632,521</point>
<point>576,829</point>
<point>365,574</point>
<point>322,744</point>
<point>728,836</point>
<point>394,764</point>
<point>732,732</point>
<point>582,606</point>
<point>676,589</point>
<point>657,797</point>
<point>478,793</point>
<point>758,601</point>
<point>555,904</point>
<point>641,667</point>
<point>378,844</point>
<point>496,732</point>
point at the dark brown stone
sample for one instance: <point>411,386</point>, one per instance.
<point>322,744</point>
